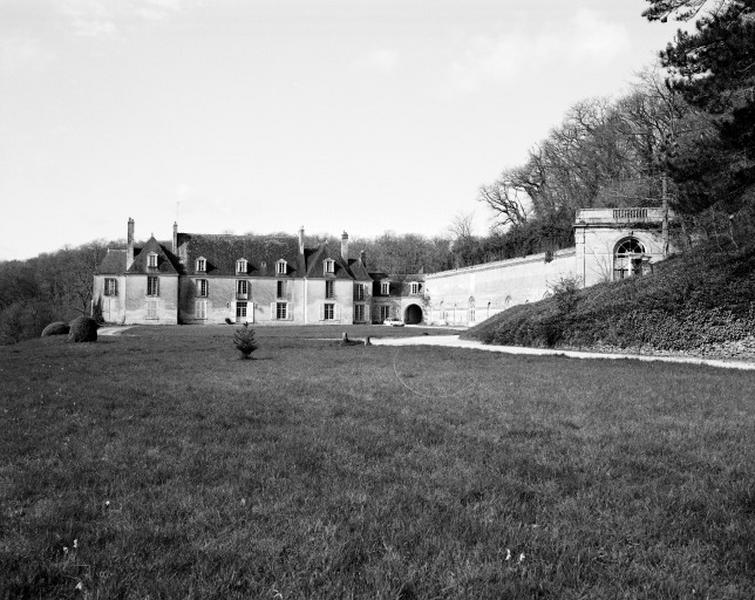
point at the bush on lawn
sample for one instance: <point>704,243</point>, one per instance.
<point>56,328</point>
<point>83,329</point>
<point>244,341</point>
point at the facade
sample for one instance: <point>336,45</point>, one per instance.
<point>201,278</point>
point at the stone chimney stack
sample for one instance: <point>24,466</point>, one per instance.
<point>301,240</point>
<point>130,243</point>
<point>174,248</point>
<point>345,247</point>
<point>363,258</point>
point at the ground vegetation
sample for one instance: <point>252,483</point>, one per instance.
<point>700,303</point>
<point>153,465</point>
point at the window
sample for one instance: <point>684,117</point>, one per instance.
<point>358,292</point>
<point>359,313</point>
<point>153,286</point>
<point>329,266</point>
<point>240,311</point>
<point>385,288</point>
<point>329,311</point>
<point>152,260</point>
<point>242,266</point>
<point>330,289</point>
<point>281,291</point>
<point>414,286</point>
<point>111,286</point>
<point>472,313</point>
<point>628,258</point>
<point>281,311</point>
<point>202,288</point>
<point>201,265</point>
<point>242,288</point>
<point>281,267</point>
<point>200,309</point>
<point>385,313</point>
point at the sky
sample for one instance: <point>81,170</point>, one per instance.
<point>262,116</point>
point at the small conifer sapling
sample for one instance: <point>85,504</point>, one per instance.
<point>244,341</point>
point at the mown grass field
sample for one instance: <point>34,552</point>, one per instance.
<point>159,465</point>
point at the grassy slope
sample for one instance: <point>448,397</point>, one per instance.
<point>322,471</point>
<point>702,303</point>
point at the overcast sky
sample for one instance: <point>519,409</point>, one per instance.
<point>264,115</point>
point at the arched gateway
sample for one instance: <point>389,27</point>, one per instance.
<point>413,314</point>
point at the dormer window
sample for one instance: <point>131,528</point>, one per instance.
<point>281,267</point>
<point>329,266</point>
<point>385,288</point>
<point>201,265</point>
<point>152,260</point>
<point>242,266</point>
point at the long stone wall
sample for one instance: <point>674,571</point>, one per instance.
<point>469,295</point>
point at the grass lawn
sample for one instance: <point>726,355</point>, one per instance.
<point>159,465</point>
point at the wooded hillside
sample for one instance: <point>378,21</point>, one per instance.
<point>701,302</point>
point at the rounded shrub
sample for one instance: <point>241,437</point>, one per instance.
<point>83,329</point>
<point>56,328</point>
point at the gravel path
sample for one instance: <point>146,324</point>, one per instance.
<point>112,330</point>
<point>455,342</point>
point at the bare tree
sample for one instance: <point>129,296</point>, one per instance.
<point>505,198</point>
<point>461,226</point>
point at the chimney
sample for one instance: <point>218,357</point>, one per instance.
<point>345,247</point>
<point>130,243</point>
<point>301,240</point>
<point>363,258</point>
<point>174,249</point>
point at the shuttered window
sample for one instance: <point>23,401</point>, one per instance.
<point>111,286</point>
<point>153,286</point>
<point>200,309</point>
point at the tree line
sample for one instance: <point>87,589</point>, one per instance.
<point>50,287</point>
<point>685,135</point>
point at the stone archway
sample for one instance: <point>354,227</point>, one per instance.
<point>413,314</point>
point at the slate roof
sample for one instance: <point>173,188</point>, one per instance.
<point>222,251</point>
<point>400,283</point>
<point>359,270</point>
<point>167,262</point>
<point>114,262</point>
<point>316,258</point>
<point>262,254</point>
<point>397,277</point>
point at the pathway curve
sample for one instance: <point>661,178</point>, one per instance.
<point>455,342</point>
<point>112,330</point>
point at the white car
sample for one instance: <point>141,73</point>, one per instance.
<point>393,322</point>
